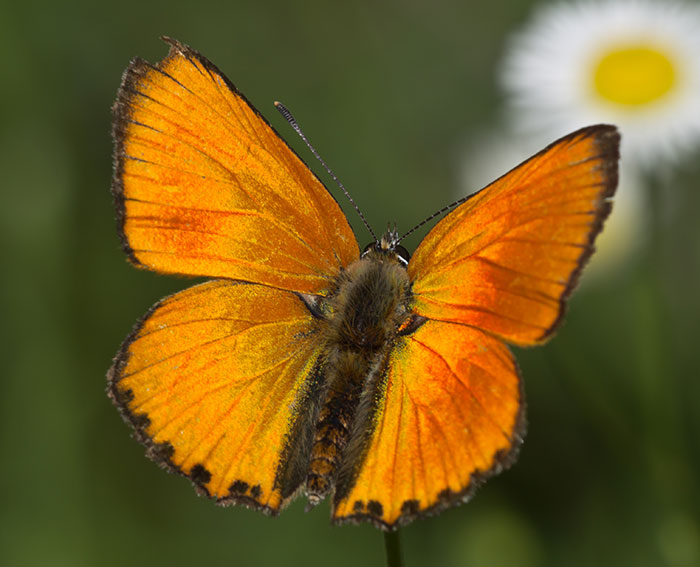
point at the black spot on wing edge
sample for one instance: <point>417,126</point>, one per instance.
<point>375,508</point>
<point>200,475</point>
<point>239,487</point>
<point>410,507</point>
<point>447,499</point>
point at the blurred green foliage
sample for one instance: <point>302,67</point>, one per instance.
<point>388,92</point>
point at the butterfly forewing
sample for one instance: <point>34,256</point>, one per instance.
<point>204,186</point>
<point>506,259</point>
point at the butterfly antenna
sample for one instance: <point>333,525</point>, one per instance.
<point>284,111</point>
<point>436,214</point>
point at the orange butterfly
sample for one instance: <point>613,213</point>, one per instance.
<point>307,365</point>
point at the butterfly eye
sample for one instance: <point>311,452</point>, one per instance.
<point>402,254</point>
<point>370,246</point>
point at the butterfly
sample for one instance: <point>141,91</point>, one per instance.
<point>305,365</point>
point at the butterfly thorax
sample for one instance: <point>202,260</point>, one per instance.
<point>362,317</point>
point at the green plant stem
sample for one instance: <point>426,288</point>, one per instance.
<point>392,544</point>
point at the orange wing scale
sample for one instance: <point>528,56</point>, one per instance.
<point>204,186</point>
<point>209,380</point>
<point>450,416</point>
<point>506,259</point>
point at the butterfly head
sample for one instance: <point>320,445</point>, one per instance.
<point>388,247</point>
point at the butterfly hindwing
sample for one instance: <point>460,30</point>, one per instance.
<point>506,259</point>
<point>204,186</point>
<point>212,380</point>
<point>450,414</point>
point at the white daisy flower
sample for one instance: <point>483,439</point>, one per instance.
<point>633,63</point>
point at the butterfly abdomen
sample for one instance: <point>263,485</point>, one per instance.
<point>366,309</point>
<point>333,426</point>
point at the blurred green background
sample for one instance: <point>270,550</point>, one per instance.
<point>388,93</point>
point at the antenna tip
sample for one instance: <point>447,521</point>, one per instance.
<point>287,115</point>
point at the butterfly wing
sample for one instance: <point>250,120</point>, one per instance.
<point>450,414</point>
<point>451,411</point>
<point>506,260</point>
<point>212,379</point>
<point>204,186</point>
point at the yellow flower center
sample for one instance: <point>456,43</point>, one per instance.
<point>634,75</point>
